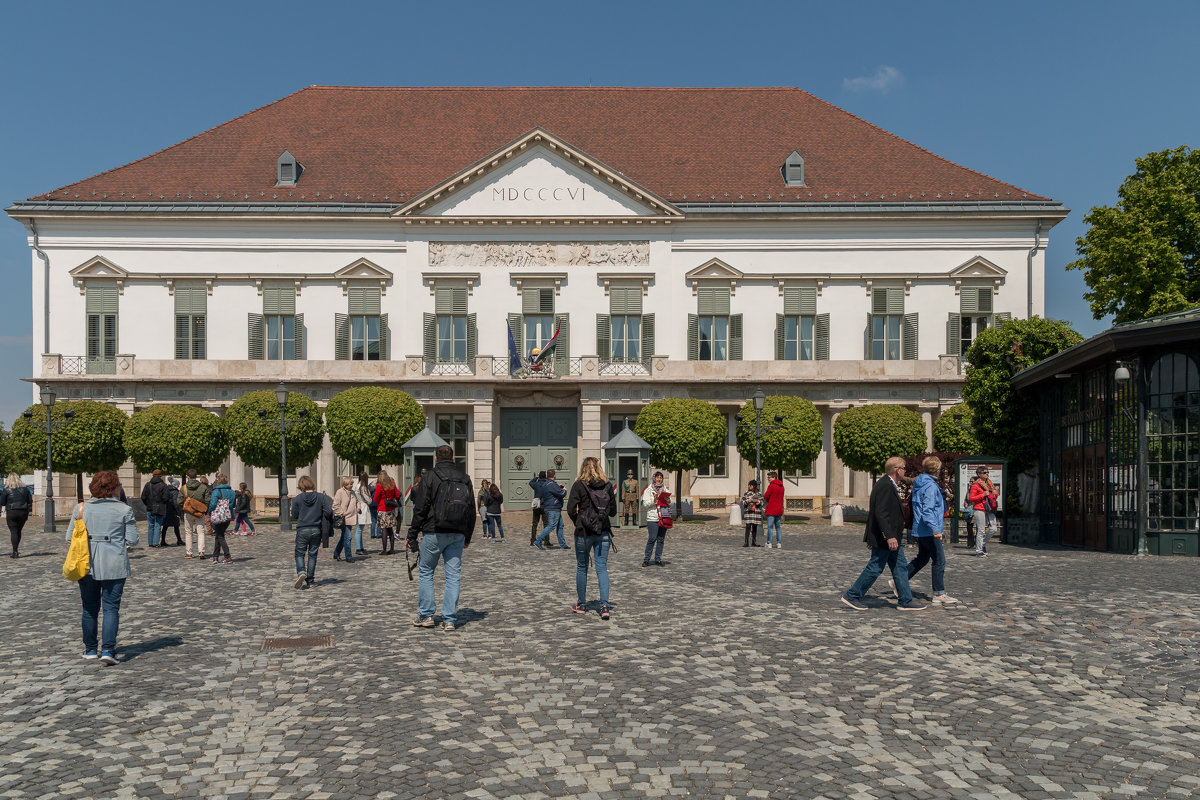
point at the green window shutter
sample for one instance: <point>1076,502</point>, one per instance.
<point>451,300</point>
<point>191,300</point>
<point>735,337</point>
<point>821,338</point>
<point>954,334</point>
<point>625,300</point>
<point>878,302</point>
<point>908,337</point>
<point>647,337</point>
<point>537,301</point>
<point>867,337</point>
<point>256,347</point>
<point>604,336</point>
<point>385,350</point>
<point>279,300</point>
<point>968,300</point>
<point>779,326</point>
<point>799,301</point>
<point>364,301</point>
<point>341,337</point>
<point>472,337</point>
<point>518,333</point>
<point>895,301</point>
<point>93,337</point>
<point>562,348</point>
<point>429,351</point>
<point>199,337</point>
<point>693,337</point>
<point>713,300</point>
<point>301,350</point>
<point>985,300</point>
<point>1003,316</point>
<point>101,298</point>
<point>183,336</point>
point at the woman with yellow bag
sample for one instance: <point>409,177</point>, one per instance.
<point>111,529</point>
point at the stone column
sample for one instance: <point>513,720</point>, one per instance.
<point>836,473</point>
<point>324,470</point>
<point>926,410</point>
<point>484,439</point>
<point>131,479</point>
<point>590,429</point>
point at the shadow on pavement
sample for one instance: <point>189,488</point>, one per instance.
<point>161,643</point>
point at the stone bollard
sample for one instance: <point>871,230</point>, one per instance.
<point>835,515</point>
<point>735,514</point>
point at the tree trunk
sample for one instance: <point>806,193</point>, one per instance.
<point>678,494</point>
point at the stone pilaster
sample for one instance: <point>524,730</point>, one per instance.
<point>484,432</point>
<point>836,473</point>
<point>591,432</point>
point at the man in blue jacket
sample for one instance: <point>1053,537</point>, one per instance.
<point>552,503</point>
<point>929,511</point>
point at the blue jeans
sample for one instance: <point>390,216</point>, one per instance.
<point>308,542</point>
<point>881,557</point>
<point>375,532</point>
<point>154,529</point>
<point>655,540</point>
<point>448,547</point>
<point>930,549</point>
<point>497,525</point>
<point>243,517</point>
<point>344,544</point>
<point>358,529</point>
<point>488,530</point>
<point>597,547</point>
<point>774,520</point>
<point>94,594</point>
<point>553,522</point>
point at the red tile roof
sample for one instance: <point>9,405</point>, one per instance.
<point>686,145</point>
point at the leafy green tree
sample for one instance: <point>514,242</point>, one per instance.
<point>1006,421</point>
<point>1142,258</point>
<point>952,435</point>
<point>864,437</point>
<point>9,461</point>
<point>368,424</point>
<point>255,438</point>
<point>89,441</point>
<point>683,433</point>
<point>794,444</point>
<point>175,439</point>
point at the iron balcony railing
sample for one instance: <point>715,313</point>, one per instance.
<point>81,365</point>
<point>547,369</point>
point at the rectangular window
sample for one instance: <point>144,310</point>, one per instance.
<point>969,328</point>
<point>281,337</point>
<point>191,308</point>
<point>717,469</point>
<point>453,428</point>
<point>714,338</point>
<point>626,338</point>
<point>101,328</point>
<point>365,339</point>
<point>452,339</point>
<point>539,328</point>
<point>273,473</point>
<point>885,338</point>
<point>798,338</point>
<point>794,475</point>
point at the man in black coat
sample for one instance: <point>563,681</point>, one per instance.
<point>444,485</point>
<point>885,526</point>
<point>155,498</point>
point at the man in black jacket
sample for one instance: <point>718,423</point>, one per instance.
<point>155,497</point>
<point>439,537</point>
<point>885,526</point>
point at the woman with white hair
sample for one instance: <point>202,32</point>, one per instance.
<point>18,500</point>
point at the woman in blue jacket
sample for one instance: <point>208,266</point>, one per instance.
<point>929,512</point>
<point>221,502</point>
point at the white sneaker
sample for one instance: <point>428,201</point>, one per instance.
<point>944,600</point>
<point>892,584</point>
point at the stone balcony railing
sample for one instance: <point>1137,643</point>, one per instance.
<point>491,368</point>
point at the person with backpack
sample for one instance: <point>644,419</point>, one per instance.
<point>154,499</point>
<point>493,504</point>
<point>591,506</point>
<point>193,510</point>
<point>442,523</point>
<point>553,495</point>
<point>17,499</point>
<point>365,493</point>
<point>387,499</point>
<point>241,510</point>
<point>220,513</point>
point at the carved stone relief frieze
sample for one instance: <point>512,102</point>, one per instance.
<point>539,254</point>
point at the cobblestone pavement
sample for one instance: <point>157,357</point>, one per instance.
<point>727,673</point>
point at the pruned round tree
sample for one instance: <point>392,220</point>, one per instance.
<point>792,444</point>
<point>369,424</point>
<point>255,436</point>
<point>864,437</point>
<point>176,438</point>
<point>683,433</point>
<point>954,433</point>
<point>90,440</point>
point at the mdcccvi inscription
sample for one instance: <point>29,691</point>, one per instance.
<point>539,254</point>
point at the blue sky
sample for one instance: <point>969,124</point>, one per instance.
<point>1057,98</point>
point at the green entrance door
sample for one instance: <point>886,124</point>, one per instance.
<point>533,440</point>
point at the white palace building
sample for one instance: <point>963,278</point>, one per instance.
<point>690,243</point>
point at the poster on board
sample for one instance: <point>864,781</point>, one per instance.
<point>966,473</point>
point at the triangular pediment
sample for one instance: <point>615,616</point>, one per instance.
<point>714,269</point>
<point>99,267</point>
<point>978,267</point>
<point>538,175</point>
<point>363,268</point>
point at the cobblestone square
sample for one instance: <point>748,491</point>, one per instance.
<point>728,673</point>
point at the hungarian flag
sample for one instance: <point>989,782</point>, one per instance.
<point>542,356</point>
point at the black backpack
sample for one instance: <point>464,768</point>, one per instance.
<point>593,512</point>
<point>454,503</point>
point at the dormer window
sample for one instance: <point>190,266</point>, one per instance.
<point>287,170</point>
<point>793,170</point>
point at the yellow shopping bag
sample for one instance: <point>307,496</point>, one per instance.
<point>79,558</point>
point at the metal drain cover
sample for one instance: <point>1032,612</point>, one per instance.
<point>303,641</point>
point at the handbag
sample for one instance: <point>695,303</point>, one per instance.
<point>664,519</point>
<point>79,557</point>
<point>339,521</point>
<point>193,506</point>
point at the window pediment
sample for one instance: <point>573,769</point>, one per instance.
<point>715,271</point>
<point>978,270</point>
<point>99,268</point>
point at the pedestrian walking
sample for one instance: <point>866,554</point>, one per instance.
<point>365,493</point>
<point>984,501</point>
<point>535,504</point>
<point>193,510</point>
<point>553,495</point>
<point>481,505</point>
<point>752,504</point>
<point>929,513</point>
<point>241,509</point>
<point>312,511</point>
<point>773,508</point>
<point>345,517</point>
<point>591,505</point>
<point>387,499</point>
<point>171,520</point>
<point>17,500</point>
<point>885,526</point>
<point>442,523</point>
<point>155,497</point>
<point>655,503</point>
<point>629,499</point>
<point>494,508</point>
<point>111,531</point>
<point>220,515</point>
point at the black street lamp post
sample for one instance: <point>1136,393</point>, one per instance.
<point>283,423</point>
<point>760,401</point>
<point>47,396</point>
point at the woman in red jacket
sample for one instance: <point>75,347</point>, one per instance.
<point>387,499</point>
<point>774,508</point>
<point>983,500</point>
